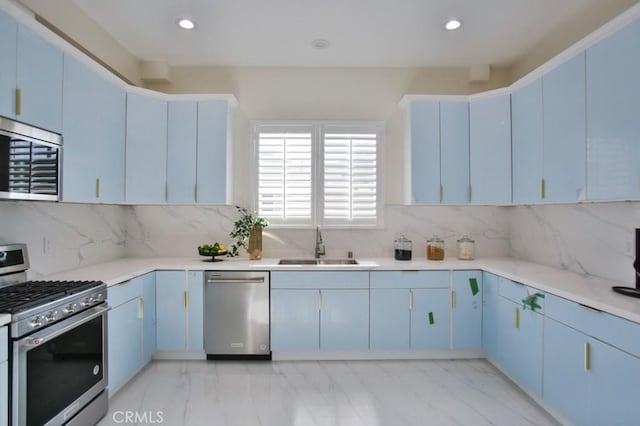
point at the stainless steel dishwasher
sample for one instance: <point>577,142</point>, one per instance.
<point>236,315</point>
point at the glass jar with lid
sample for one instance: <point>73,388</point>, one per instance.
<point>435,248</point>
<point>466,248</point>
<point>402,248</point>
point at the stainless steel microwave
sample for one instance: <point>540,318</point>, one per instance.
<point>29,162</point>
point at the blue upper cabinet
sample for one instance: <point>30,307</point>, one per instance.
<point>425,152</point>
<point>454,152</point>
<point>182,139</point>
<point>213,183</point>
<point>613,126</point>
<point>146,149</point>
<point>94,129</point>
<point>39,77</point>
<point>527,140</point>
<point>490,150</point>
<point>8,46</point>
<point>564,131</point>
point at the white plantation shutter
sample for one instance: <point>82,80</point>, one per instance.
<point>312,173</point>
<point>350,172</point>
<point>285,166</point>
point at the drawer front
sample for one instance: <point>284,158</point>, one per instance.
<point>410,279</point>
<point>521,294</point>
<point>4,342</point>
<point>616,331</point>
<point>319,280</point>
<point>121,293</point>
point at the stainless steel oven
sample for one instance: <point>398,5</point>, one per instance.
<point>29,162</point>
<point>61,370</point>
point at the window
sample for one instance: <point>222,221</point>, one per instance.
<point>313,173</point>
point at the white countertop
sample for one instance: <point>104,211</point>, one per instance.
<point>591,291</point>
<point>4,319</point>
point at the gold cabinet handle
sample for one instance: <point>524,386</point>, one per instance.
<point>516,320</point>
<point>441,192</point>
<point>98,188</point>
<point>195,192</point>
<point>587,357</point>
<point>319,300</point>
<point>166,191</point>
<point>453,300</point>
<point>543,188</point>
<point>18,101</point>
<point>410,300</point>
<point>470,193</point>
<point>186,300</point>
<point>140,308</point>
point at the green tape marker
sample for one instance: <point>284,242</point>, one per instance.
<point>431,318</point>
<point>473,283</point>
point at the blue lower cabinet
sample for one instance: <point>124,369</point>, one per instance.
<point>566,384</point>
<point>170,311</point>
<point>430,318</point>
<point>195,311</point>
<point>149,315</point>
<point>520,334</point>
<point>390,318</point>
<point>125,343</point>
<point>295,320</point>
<point>4,393</point>
<point>467,310</point>
<point>490,314</point>
<point>344,319</point>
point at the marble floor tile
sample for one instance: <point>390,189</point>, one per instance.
<point>318,393</point>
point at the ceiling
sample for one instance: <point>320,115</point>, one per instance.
<point>370,33</point>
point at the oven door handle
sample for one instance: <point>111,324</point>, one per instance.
<point>61,328</point>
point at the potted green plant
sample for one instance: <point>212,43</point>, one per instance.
<point>248,226</point>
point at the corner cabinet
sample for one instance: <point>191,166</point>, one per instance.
<point>490,150</point>
<point>146,149</point>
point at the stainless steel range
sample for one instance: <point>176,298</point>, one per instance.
<point>57,345</point>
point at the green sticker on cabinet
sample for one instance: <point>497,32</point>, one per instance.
<point>473,283</point>
<point>431,318</point>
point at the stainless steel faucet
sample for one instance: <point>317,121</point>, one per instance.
<point>319,245</point>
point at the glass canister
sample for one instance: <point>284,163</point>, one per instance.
<point>402,248</point>
<point>466,248</point>
<point>435,248</point>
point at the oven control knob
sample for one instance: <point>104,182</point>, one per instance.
<point>51,316</point>
<point>69,309</point>
<point>99,297</point>
<point>36,322</point>
<point>87,301</point>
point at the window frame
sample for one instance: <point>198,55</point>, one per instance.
<point>317,168</point>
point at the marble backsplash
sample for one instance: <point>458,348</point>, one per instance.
<point>178,230</point>
<point>63,236</point>
<point>591,238</point>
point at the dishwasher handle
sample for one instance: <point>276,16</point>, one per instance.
<point>235,281</point>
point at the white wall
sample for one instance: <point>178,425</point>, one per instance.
<point>594,239</point>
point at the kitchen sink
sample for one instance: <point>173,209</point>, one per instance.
<point>318,262</point>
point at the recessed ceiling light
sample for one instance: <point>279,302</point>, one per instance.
<point>320,43</point>
<point>186,23</point>
<point>453,24</point>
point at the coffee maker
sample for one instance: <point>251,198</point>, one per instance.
<point>630,291</point>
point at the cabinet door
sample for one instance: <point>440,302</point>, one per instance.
<point>4,394</point>
<point>295,320</point>
<point>125,343</point>
<point>430,319</point>
<point>213,121</point>
<point>425,152</point>
<point>613,122</point>
<point>564,131</point>
<point>195,311</point>
<point>344,320</point>
<point>614,386</point>
<point>490,150</point>
<point>8,78</point>
<point>526,123</point>
<point>181,148</point>
<point>146,149</point>
<point>454,152</point>
<point>467,310</point>
<point>490,314</point>
<point>390,318</point>
<point>39,75</point>
<point>149,314</point>
<point>170,310</point>
<point>566,383</point>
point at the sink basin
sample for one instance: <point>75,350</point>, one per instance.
<point>318,262</point>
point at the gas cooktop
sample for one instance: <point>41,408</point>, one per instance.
<point>20,297</point>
